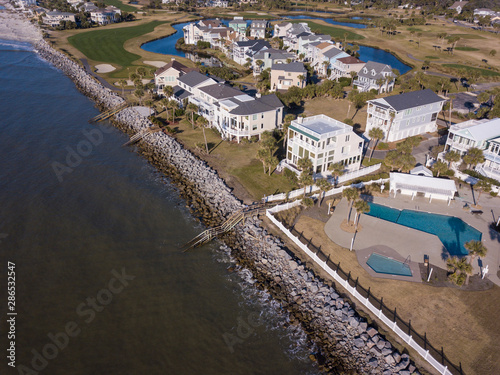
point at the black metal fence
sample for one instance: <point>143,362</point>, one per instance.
<point>437,354</point>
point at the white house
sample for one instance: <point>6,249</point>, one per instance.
<point>55,17</point>
<point>243,50</point>
<point>482,134</point>
<point>233,113</point>
<point>280,29</point>
<point>430,187</point>
<point>258,29</point>
<point>375,76</point>
<point>169,74</point>
<point>458,6</point>
<point>325,141</point>
<point>343,66</point>
<point>404,115</point>
<point>105,16</point>
<point>269,57</point>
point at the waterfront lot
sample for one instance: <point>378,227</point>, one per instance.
<point>463,322</point>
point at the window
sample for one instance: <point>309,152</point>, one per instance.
<point>254,117</point>
<point>254,127</point>
<point>347,138</point>
<point>434,116</point>
<point>262,126</point>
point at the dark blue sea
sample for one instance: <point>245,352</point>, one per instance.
<point>94,232</point>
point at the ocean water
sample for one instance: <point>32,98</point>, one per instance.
<point>95,232</point>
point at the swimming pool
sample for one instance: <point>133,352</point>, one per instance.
<point>452,231</point>
<point>382,264</point>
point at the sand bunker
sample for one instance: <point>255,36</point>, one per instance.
<point>158,64</point>
<point>104,68</point>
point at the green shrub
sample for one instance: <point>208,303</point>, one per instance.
<point>348,121</point>
<point>475,174</point>
<point>202,45</point>
<point>345,81</point>
<point>382,146</point>
<point>290,175</point>
<point>493,194</point>
<point>308,202</point>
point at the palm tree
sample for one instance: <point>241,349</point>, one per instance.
<point>460,270</point>
<point>351,194</point>
<point>192,109</point>
<point>452,157</point>
<point>326,64</point>
<point>392,115</point>
<point>122,83</point>
<point>286,123</point>
<point>168,91</point>
<point>482,185</point>
<point>301,78</point>
<point>337,170</point>
<point>174,105</point>
<point>375,134</point>
<point>361,207</point>
<point>474,157</point>
<point>141,71</point>
<point>476,249</point>
<point>272,162</point>
<point>305,165</point>
<point>323,186</point>
<point>351,97</point>
<point>439,167</point>
<point>140,94</point>
<point>305,179</point>
<point>262,155</point>
<point>202,121</point>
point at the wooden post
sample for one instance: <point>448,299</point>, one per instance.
<point>442,356</point>
<point>368,297</point>
<point>395,315</point>
<point>348,277</point>
<point>409,327</point>
<point>425,340</point>
<point>356,283</point>
<point>381,302</point>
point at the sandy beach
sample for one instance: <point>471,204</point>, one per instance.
<point>14,26</point>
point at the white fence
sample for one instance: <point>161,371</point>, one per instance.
<point>353,291</point>
<point>360,172</point>
<point>312,188</point>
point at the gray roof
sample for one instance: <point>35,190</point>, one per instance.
<point>377,67</point>
<point>220,91</point>
<point>193,78</point>
<point>274,54</point>
<point>413,99</point>
<point>258,105</point>
<point>180,93</point>
<point>332,52</point>
<point>295,67</point>
<point>258,24</point>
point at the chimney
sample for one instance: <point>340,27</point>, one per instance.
<point>300,119</point>
<point>258,95</point>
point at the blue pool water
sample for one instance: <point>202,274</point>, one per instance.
<point>452,231</point>
<point>382,264</point>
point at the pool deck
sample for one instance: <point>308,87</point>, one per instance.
<point>411,242</point>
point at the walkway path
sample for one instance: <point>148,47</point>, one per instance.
<point>416,244</point>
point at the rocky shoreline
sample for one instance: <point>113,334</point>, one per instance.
<point>347,343</point>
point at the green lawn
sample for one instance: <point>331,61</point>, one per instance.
<point>483,72</point>
<point>120,5</point>
<point>335,32</point>
<point>468,36</point>
<point>107,45</point>
<point>432,57</point>
<point>466,49</point>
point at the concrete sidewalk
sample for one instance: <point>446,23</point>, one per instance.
<point>414,243</point>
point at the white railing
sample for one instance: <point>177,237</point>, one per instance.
<point>360,172</point>
<point>353,292</point>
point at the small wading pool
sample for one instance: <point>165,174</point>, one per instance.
<point>452,231</point>
<point>382,264</point>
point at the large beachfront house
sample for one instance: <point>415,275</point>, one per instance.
<point>168,74</point>
<point>284,76</point>
<point>239,25</point>
<point>55,17</point>
<point>258,29</point>
<point>375,76</point>
<point>268,57</point>
<point>325,141</point>
<point>244,50</point>
<point>342,67</point>
<point>404,115</point>
<point>233,113</point>
<point>482,134</point>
